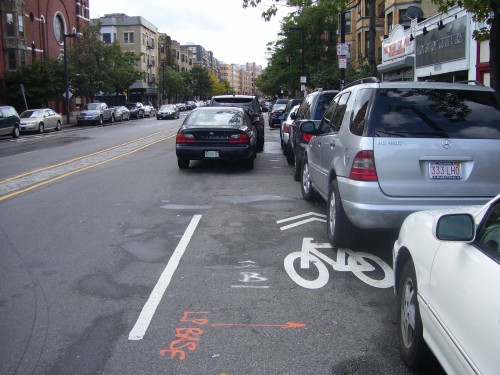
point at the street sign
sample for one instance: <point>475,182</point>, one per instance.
<point>343,49</point>
<point>70,94</point>
<point>303,79</point>
<point>342,62</point>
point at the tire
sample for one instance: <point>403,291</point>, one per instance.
<point>296,168</point>
<point>100,121</point>
<point>183,163</point>
<point>339,229</point>
<point>112,119</point>
<point>58,126</point>
<point>249,163</point>
<point>260,144</point>
<point>289,154</point>
<point>412,347</point>
<point>121,118</point>
<point>143,115</point>
<point>41,128</point>
<point>308,192</point>
<point>16,132</point>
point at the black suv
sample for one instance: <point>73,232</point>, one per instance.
<point>250,104</point>
<point>136,110</point>
<point>312,108</point>
<point>9,121</point>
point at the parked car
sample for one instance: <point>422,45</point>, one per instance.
<point>190,104</point>
<point>96,113</point>
<point>136,110</point>
<point>285,135</point>
<point>122,113</point>
<point>312,108</point>
<point>290,104</point>
<point>446,277</point>
<point>9,121</point>
<point>181,106</point>
<point>212,133</point>
<point>276,115</point>
<point>149,110</point>
<point>40,120</point>
<point>167,111</point>
<point>249,103</point>
<point>386,149</point>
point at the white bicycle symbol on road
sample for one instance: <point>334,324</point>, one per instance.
<point>347,260</point>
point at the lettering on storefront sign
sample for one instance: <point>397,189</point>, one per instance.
<point>398,47</point>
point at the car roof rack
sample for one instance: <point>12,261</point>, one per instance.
<point>475,82</point>
<point>363,80</point>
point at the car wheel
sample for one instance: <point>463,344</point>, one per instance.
<point>412,347</point>
<point>308,192</point>
<point>249,163</point>
<point>112,119</point>
<point>296,167</point>
<point>100,121</point>
<point>16,132</point>
<point>339,229</point>
<point>183,163</point>
<point>121,118</point>
<point>289,154</point>
<point>260,144</point>
<point>41,128</point>
<point>58,126</point>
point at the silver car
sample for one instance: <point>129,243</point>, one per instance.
<point>385,150</point>
<point>40,120</point>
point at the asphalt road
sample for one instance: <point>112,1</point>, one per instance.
<point>114,261</point>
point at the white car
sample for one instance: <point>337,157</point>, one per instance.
<point>447,279</point>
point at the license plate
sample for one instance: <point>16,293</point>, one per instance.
<point>445,170</point>
<point>211,154</point>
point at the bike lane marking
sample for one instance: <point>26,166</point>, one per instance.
<point>149,309</point>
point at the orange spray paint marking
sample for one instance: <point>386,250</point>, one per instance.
<point>284,326</point>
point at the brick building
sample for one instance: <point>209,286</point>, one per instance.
<point>32,29</point>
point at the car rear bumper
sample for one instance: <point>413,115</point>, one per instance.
<point>225,153</point>
<point>368,208</point>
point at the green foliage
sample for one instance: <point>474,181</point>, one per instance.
<point>43,82</point>
<point>201,84</point>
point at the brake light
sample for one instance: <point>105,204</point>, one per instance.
<point>239,138</point>
<point>306,137</point>
<point>184,138</point>
<point>363,167</point>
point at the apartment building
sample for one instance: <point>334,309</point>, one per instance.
<point>137,35</point>
<point>33,29</point>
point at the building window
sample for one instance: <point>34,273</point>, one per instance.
<point>404,19</point>
<point>59,28</point>
<point>106,38</point>
<point>368,8</point>
<point>128,37</point>
<point>359,45</point>
<point>20,26</point>
<point>11,59</point>
<point>348,22</point>
<point>390,21</point>
<point>9,25</point>
<point>367,43</point>
<point>22,57</point>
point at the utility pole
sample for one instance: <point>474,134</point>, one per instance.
<point>371,37</point>
<point>342,42</point>
<point>303,78</point>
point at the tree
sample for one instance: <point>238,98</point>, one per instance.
<point>200,82</point>
<point>487,11</point>
<point>43,82</point>
<point>122,69</point>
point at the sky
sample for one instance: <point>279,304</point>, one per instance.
<point>234,35</point>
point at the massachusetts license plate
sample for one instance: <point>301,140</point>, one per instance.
<point>211,154</point>
<point>445,170</point>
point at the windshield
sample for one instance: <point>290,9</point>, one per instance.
<point>218,117</point>
<point>31,114</point>
<point>278,107</point>
<point>436,113</point>
<point>93,106</point>
<point>164,107</point>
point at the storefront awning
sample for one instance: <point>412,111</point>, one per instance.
<point>407,61</point>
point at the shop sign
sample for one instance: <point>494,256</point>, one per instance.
<point>397,45</point>
<point>439,46</point>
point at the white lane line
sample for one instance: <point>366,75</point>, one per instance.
<point>142,324</point>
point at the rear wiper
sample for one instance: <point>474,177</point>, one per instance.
<point>438,134</point>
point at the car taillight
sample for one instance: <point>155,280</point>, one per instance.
<point>239,138</point>
<point>184,138</point>
<point>306,137</point>
<point>286,128</point>
<point>363,167</point>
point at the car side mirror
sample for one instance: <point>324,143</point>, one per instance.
<point>307,127</point>
<point>456,227</point>
<point>293,116</point>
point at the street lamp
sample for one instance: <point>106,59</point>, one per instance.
<point>66,79</point>
<point>303,79</point>
<point>163,66</point>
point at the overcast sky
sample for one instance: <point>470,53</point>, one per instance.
<point>235,35</point>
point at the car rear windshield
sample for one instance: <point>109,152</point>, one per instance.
<point>435,113</point>
<point>215,118</point>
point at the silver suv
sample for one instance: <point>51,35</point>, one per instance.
<point>384,150</point>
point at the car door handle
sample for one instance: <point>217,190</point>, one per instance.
<point>332,144</point>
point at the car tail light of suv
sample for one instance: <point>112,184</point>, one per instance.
<point>363,167</point>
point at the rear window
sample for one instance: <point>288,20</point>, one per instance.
<point>215,118</point>
<point>434,113</point>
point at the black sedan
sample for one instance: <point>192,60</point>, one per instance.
<point>217,133</point>
<point>276,116</point>
<point>167,111</point>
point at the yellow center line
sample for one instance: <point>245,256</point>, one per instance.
<point>80,157</point>
<point>46,182</point>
